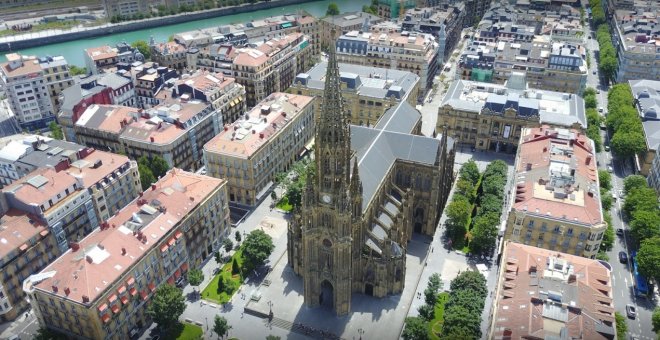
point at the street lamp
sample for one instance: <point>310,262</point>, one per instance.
<point>361,332</point>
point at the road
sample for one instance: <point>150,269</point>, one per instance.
<point>622,278</point>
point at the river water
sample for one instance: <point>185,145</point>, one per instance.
<point>73,50</point>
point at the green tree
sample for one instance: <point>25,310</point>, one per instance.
<point>47,334</point>
<point>227,244</point>
<point>605,179</point>
<point>641,199</point>
<point>484,233</point>
<point>608,239</point>
<point>416,329</point>
<point>470,172</point>
<point>433,289</point>
<point>590,102</point>
<point>56,131</point>
<point>167,304</point>
<point>220,326</point>
<point>606,199</point>
<point>655,320</point>
<point>627,143</point>
<point>235,267</point>
<point>460,323</point>
<point>218,257</point>
<point>589,91</point>
<point>458,213</point>
<point>143,47</point>
<point>146,176</point>
<point>648,258</point>
<point>159,166</point>
<point>633,182</point>
<point>272,337</point>
<point>77,71</point>
<point>426,312</point>
<point>237,236</point>
<point>490,203</point>
<point>257,247</point>
<point>621,326</point>
<point>644,224</point>
<point>333,9</point>
<point>195,277</point>
<point>472,281</point>
<point>466,189</point>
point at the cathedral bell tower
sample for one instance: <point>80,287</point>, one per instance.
<point>322,234</point>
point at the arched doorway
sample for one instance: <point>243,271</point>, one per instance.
<point>369,289</point>
<point>327,298</point>
<point>419,219</point>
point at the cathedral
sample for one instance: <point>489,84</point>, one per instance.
<point>373,188</point>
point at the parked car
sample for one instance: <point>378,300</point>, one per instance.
<point>609,168</point>
<point>623,257</point>
<point>631,311</point>
<point>619,232</point>
<point>614,195</point>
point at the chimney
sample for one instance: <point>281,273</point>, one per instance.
<point>153,187</point>
<point>192,199</point>
<point>123,251</point>
<point>141,193</point>
<point>89,259</point>
<point>151,139</point>
<point>85,299</point>
<point>588,161</point>
<point>54,289</point>
<point>74,246</point>
<point>261,135</point>
<point>67,291</point>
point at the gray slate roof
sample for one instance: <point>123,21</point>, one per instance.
<point>402,117</point>
<point>370,86</point>
<point>378,148</point>
<point>647,93</point>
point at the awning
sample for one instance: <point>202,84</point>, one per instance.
<point>143,295</point>
<point>124,299</point>
<point>152,287</point>
<point>44,232</point>
<point>178,235</point>
<point>132,291</point>
<point>105,318</point>
<point>103,307</point>
<point>130,281</point>
<point>23,247</point>
<point>177,273</point>
<point>163,248</point>
<point>112,298</point>
<point>171,281</point>
<point>184,266</point>
<point>171,241</point>
<point>121,290</point>
<point>115,308</point>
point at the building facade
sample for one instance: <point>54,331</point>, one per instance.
<point>491,117</point>
<point>368,92</point>
<point>332,27</point>
<point>351,235</point>
<point>654,174</point>
<point>169,54</point>
<point>150,79</point>
<point>404,51</point>
<point>153,241</point>
<point>551,294</point>
<point>556,202</point>
<point>33,86</point>
<point>445,23</point>
<point>634,36</point>
<point>251,151</point>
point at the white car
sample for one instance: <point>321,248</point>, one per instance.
<point>609,168</point>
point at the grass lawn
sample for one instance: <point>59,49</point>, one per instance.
<point>435,326</point>
<point>284,204</point>
<point>184,331</point>
<point>212,293</point>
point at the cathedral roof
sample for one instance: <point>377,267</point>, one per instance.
<point>379,147</point>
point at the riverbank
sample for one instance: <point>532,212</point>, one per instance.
<point>27,40</point>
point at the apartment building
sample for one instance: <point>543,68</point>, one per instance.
<point>332,27</point>
<point>27,246</point>
<point>102,89</point>
<point>153,241</point>
<point>491,117</point>
<point>223,93</point>
<point>445,23</point>
<point>412,52</point>
<point>149,80</point>
<point>33,86</point>
<point>394,9</point>
<point>125,8</point>
<point>21,154</point>
<point>475,10</point>
<point>169,54</point>
<point>175,130</point>
<point>102,58</point>
<point>555,204</point>
<point>559,67</point>
<point>272,66</point>
<point>368,92</point>
<point>213,58</point>
<point>635,36</point>
<point>647,102</point>
<point>544,292</point>
<point>251,151</point>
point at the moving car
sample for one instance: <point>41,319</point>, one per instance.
<point>631,311</point>
<point>619,232</point>
<point>607,148</point>
<point>623,257</point>
<point>609,168</point>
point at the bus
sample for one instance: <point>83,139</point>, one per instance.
<point>641,284</point>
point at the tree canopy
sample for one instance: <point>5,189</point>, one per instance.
<point>195,277</point>
<point>648,258</point>
<point>416,329</point>
<point>333,9</point>
<point>645,224</point>
<point>257,247</point>
<point>55,130</point>
<point>143,47</point>
<point>146,176</point>
<point>167,305</point>
<point>220,326</point>
<point>76,71</point>
<point>655,320</point>
<point>462,316</point>
<point>605,179</point>
<point>633,182</point>
<point>470,172</point>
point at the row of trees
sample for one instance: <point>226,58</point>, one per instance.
<point>597,12</point>
<point>462,317</point>
<point>624,121</point>
<point>459,210</point>
<point>593,118</point>
<point>483,234</point>
<point>605,181</point>
<point>607,55</point>
<point>641,207</point>
<point>162,10</point>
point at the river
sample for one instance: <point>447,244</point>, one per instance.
<point>73,50</point>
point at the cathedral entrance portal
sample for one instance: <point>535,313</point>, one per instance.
<point>369,289</point>
<point>326,298</point>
